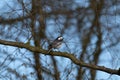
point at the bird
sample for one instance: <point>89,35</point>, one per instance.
<point>56,44</point>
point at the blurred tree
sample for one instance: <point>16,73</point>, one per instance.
<point>91,39</point>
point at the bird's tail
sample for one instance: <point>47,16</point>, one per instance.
<point>49,50</point>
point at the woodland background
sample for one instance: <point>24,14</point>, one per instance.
<point>91,31</point>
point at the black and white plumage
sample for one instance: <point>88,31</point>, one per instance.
<point>56,43</point>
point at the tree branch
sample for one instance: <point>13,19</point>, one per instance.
<point>11,21</point>
<point>62,54</point>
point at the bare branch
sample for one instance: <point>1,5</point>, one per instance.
<point>62,54</point>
